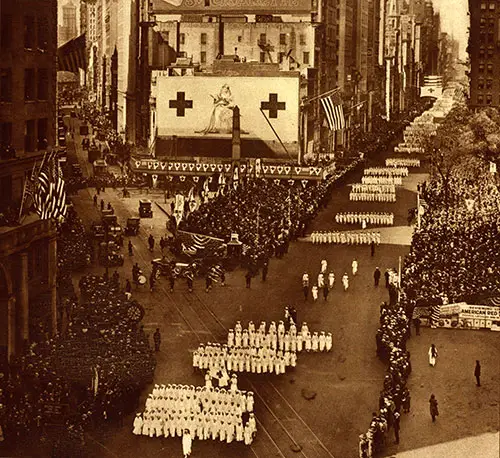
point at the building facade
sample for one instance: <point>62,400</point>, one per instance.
<point>68,22</point>
<point>484,53</point>
<point>27,127</point>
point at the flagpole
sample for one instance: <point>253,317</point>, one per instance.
<point>24,193</point>
<point>324,94</point>
<point>275,133</point>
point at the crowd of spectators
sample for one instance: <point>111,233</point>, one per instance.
<point>394,397</point>
<point>92,374</point>
<point>455,253</point>
<point>265,214</point>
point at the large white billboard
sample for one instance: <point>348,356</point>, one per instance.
<point>202,106</point>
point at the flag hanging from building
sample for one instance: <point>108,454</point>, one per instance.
<point>72,55</point>
<point>49,193</point>
<point>334,113</point>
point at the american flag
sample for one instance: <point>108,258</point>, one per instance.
<point>193,243</point>
<point>215,272</point>
<point>334,113</point>
<point>49,193</point>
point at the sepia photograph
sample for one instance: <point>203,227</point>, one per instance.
<point>249,228</point>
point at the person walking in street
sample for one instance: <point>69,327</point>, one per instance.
<point>305,285</point>
<point>102,204</point>
<point>162,244</point>
<point>354,267</point>
<point>95,200</point>
<point>477,373</point>
<point>376,276</point>
<point>265,268</point>
<point>325,292</point>
<point>130,248</point>
<point>433,405</point>
<point>157,339</point>
<point>345,281</point>
<point>151,242</point>
<point>208,283</point>
<point>395,425</point>
<point>187,442</point>
<point>386,276</point>
<point>372,248</point>
<point>432,355</point>
<point>417,323</point>
<point>248,278</point>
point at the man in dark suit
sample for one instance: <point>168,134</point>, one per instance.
<point>376,276</point>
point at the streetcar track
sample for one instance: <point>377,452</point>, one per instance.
<point>186,295</point>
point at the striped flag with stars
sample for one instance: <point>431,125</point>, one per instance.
<point>334,112</point>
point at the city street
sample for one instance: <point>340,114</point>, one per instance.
<point>346,381</point>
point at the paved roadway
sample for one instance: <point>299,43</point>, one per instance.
<point>346,381</point>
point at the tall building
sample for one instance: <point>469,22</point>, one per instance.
<point>68,29</point>
<point>293,36</point>
<point>484,53</point>
<point>27,127</point>
<point>112,28</point>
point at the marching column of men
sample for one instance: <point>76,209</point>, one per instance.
<point>205,412</point>
<point>368,179</point>
<point>386,171</point>
<point>402,162</point>
<point>372,197</point>
<point>346,237</point>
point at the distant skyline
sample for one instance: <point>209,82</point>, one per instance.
<point>454,20</point>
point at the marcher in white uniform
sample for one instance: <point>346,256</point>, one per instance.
<point>186,443</point>
<point>314,292</point>
<point>345,281</point>
<point>137,424</point>
<point>331,279</point>
<point>354,267</point>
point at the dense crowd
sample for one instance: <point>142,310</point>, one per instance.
<point>455,253</point>
<point>395,397</point>
<point>266,215</point>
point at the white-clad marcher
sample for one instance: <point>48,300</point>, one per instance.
<point>137,424</point>
<point>314,292</point>
<point>345,281</point>
<point>324,265</point>
<point>331,279</point>
<point>354,267</point>
<point>187,442</point>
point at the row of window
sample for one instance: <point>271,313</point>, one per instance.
<point>264,57</point>
<point>481,99</point>
<point>36,84</point>
<point>481,84</point>
<point>262,38</point>
<point>35,31</point>
<point>485,6</point>
<point>487,53</point>
<point>489,68</point>
<point>490,22</point>
<point>35,134</point>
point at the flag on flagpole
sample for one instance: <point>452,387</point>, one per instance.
<point>334,113</point>
<point>49,193</point>
<point>236,176</point>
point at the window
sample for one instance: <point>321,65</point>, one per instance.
<point>29,84</point>
<point>480,99</point>
<point>490,52</point>
<point>203,38</point>
<point>490,37</point>
<point>43,33</point>
<point>182,38</point>
<point>43,84</point>
<point>489,99</point>
<point>481,53</point>
<point>282,38</point>
<point>482,38</point>
<point>262,57</point>
<point>482,22</point>
<point>302,39</point>
<point>29,136</point>
<point>239,38</point>
<point>203,57</point>
<point>5,133</point>
<point>489,84</point>
<point>29,32</point>
<point>42,133</point>
<point>481,68</point>
<point>490,68</point>
<point>6,31</point>
<point>492,6</point>
<point>480,84</point>
<point>5,85</point>
<point>483,6</point>
<point>491,21</point>
<point>305,58</point>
